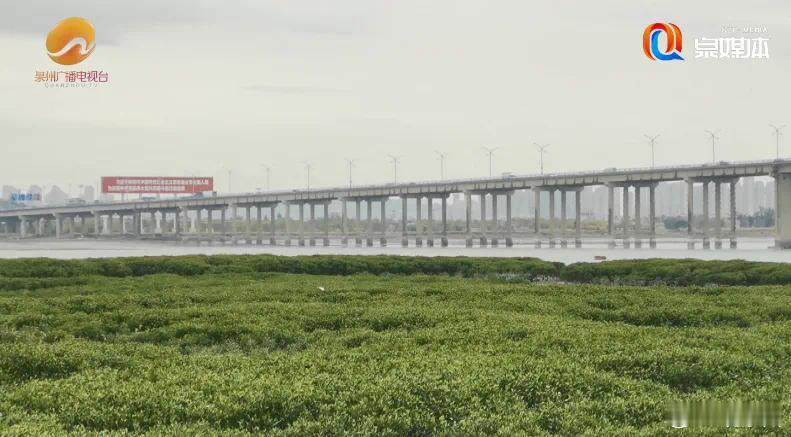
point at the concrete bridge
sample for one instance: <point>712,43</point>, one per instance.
<point>183,218</point>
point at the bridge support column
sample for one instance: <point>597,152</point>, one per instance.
<point>732,205</point>
<point>383,217</point>
<point>287,218</point>
<point>369,229</point>
<point>509,240</point>
<point>358,241</point>
<point>690,213</point>
<point>195,225</point>
<point>259,218</point>
<point>137,222</point>
<point>326,218</point>
<point>418,222</point>
<point>159,223</point>
<point>58,226</point>
<point>626,240</point>
<point>177,223</point>
<point>537,215</point>
<point>152,223</point>
<point>717,215</point>
<point>444,205</point>
<point>563,242</point>
<point>578,218</point>
<point>223,225</point>
<point>638,242</point>
<point>782,210</point>
<point>611,214</point>
<point>344,225</point>
<point>312,224</point>
<point>248,225</point>
<point>107,224</point>
<point>272,224</point>
<point>652,216</point>
<point>301,225</point>
<point>185,225</point>
<point>483,219</point>
<point>468,219</point>
<point>430,227</point>
<point>553,226</point>
<point>96,219</point>
<point>706,227</point>
<point>404,235</point>
<point>22,227</point>
<point>495,226</point>
<point>210,221</point>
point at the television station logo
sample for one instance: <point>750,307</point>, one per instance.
<point>731,47</point>
<point>70,42</point>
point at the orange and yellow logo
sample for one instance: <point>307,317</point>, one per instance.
<point>71,41</point>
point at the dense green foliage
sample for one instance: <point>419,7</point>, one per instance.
<point>679,272</point>
<point>314,265</point>
<point>48,272</point>
<point>254,351</point>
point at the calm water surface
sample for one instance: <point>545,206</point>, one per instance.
<point>754,249</point>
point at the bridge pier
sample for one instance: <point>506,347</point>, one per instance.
<point>638,242</point>
<point>626,220</point>
<point>344,224</point>
<point>326,218</point>
<point>272,224</point>
<point>706,227</point>
<point>717,215</point>
<point>495,225</point>
<point>652,216</point>
<point>419,221</point>
<point>611,215</point>
<point>690,213</point>
<point>404,234</point>
<point>483,220</point>
<point>430,225</point>
<point>383,217</point>
<point>537,215</point>
<point>782,210</point>
<point>369,229</point>
<point>301,227</point>
<point>563,242</point>
<point>468,218</point>
<point>732,193</point>
<point>553,225</point>
<point>312,225</point>
<point>358,241</point>
<point>444,206</point>
<point>288,224</point>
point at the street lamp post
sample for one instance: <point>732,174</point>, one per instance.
<point>541,150</point>
<point>714,137</point>
<point>652,140</point>
<point>777,130</point>
<point>490,151</point>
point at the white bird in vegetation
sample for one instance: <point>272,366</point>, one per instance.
<point>321,288</point>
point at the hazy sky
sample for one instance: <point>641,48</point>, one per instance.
<point>198,86</point>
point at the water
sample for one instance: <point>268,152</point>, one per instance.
<point>753,249</point>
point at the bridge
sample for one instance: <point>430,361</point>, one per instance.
<point>183,218</point>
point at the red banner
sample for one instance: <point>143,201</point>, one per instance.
<point>156,184</point>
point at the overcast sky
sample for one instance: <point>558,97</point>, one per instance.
<point>199,86</point>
